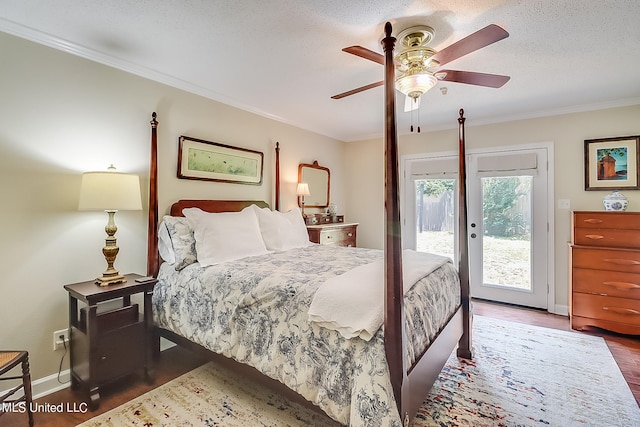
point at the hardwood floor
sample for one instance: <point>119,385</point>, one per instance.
<point>176,361</point>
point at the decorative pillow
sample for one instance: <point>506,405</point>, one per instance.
<point>182,240</point>
<point>165,247</point>
<point>282,231</point>
<point>225,236</point>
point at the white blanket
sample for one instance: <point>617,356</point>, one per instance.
<point>353,303</point>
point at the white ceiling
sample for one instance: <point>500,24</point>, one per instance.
<point>283,59</point>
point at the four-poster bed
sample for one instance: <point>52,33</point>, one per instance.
<point>411,365</point>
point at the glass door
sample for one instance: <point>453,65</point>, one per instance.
<point>507,210</point>
<point>508,227</point>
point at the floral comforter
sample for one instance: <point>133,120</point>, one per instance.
<point>254,310</point>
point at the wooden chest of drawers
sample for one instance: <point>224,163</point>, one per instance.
<point>338,234</point>
<point>605,271</point>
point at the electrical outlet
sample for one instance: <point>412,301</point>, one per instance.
<point>57,341</point>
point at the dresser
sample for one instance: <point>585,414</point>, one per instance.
<point>337,234</point>
<point>605,271</point>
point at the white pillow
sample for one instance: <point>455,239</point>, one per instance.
<point>181,241</point>
<point>165,247</point>
<point>282,231</point>
<point>225,236</point>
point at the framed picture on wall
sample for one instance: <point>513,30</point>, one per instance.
<point>210,161</point>
<point>612,163</point>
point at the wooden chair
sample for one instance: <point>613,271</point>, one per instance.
<point>8,361</point>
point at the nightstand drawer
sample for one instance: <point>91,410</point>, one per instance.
<point>111,319</point>
<point>119,352</point>
<point>611,309</point>
<point>603,282</point>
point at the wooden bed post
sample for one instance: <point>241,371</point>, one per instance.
<point>153,261</point>
<point>394,295</point>
<point>464,345</point>
<point>277,201</point>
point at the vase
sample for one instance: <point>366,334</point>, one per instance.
<point>333,209</point>
<point>615,201</point>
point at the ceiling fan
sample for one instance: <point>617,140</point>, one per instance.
<point>417,65</point>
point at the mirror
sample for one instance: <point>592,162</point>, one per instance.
<point>318,178</point>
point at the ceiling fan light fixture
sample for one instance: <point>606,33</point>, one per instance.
<point>415,85</point>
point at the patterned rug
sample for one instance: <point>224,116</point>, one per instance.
<point>521,376</point>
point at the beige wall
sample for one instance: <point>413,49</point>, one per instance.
<point>567,134</point>
<point>60,116</point>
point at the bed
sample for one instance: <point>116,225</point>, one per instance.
<point>254,312</point>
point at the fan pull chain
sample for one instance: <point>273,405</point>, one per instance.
<point>412,100</point>
<point>418,118</point>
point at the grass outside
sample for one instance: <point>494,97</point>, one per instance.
<point>507,262</point>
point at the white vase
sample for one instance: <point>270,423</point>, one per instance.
<point>615,201</point>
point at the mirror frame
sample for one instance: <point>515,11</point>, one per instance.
<point>315,165</point>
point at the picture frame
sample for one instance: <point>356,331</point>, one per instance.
<point>612,163</point>
<point>210,161</point>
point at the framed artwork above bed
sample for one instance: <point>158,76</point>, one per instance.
<point>211,161</point>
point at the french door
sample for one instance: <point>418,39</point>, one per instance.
<point>507,220</point>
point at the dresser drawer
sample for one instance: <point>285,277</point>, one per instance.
<point>603,282</point>
<point>618,220</point>
<point>607,237</point>
<point>339,237</point>
<point>613,259</point>
<point>333,234</point>
<point>606,308</point>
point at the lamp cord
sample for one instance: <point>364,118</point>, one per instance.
<point>64,343</point>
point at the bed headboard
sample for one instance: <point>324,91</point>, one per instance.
<point>215,206</point>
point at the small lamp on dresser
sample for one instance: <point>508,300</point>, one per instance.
<point>110,191</point>
<point>301,191</point>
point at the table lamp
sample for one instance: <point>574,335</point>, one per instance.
<point>110,191</point>
<point>301,191</point>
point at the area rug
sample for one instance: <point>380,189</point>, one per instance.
<point>521,375</point>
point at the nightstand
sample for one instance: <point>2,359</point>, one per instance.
<point>336,234</point>
<point>109,338</point>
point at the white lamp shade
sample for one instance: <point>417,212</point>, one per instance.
<point>110,191</point>
<point>303,189</point>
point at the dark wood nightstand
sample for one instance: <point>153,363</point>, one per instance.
<point>109,338</point>
<point>337,234</point>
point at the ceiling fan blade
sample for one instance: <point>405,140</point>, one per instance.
<point>365,53</point>
<point>472,78</point>
<point>360,89</point>
<point>481,38</point>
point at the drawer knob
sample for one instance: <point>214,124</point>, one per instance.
<point>350,234</point>
<point>593,221</point>
<point>621,261</point>
<point>328,237</point>
<point>594,236</point>
<point>620,310</point>
<point>623,286</point>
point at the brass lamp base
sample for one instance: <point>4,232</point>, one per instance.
<point>110,280</point>
<point>111,276</point>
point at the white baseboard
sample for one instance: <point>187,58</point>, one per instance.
<point>50,384</point>
<point>44,386</point>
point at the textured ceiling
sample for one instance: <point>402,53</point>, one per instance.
<point>283,59</point>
